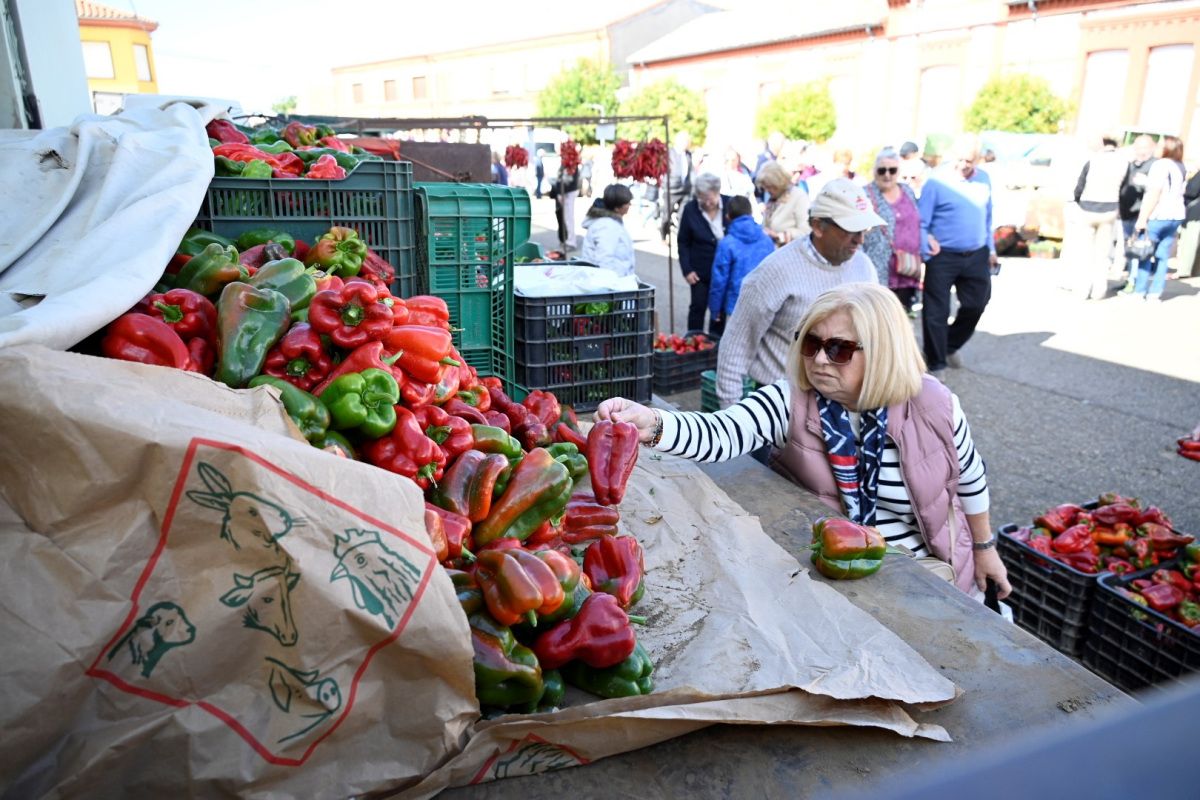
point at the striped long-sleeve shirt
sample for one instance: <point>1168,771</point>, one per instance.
<point>773,298</point>
<point>763,418</point>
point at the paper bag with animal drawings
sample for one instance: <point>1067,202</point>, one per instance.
<point>193,600</point>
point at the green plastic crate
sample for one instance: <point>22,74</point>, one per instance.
<point>469,234</point>
<point>708,390</point>
<point>376,199</point>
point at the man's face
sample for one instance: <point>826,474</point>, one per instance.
<point>1143,148</point>
<point>836,244</point>
<point>965,161</point>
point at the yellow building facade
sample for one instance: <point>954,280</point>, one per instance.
<point>118,55</point>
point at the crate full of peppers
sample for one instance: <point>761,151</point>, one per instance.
<point>296,151</point>
<point>521,504</point>
<point>1053,563</point>
<point>679,360</point>
<point>1144,626</point>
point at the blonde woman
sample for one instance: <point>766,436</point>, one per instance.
<point>786,215</point>
<point>859,424</point>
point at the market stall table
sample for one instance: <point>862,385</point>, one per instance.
<point>1012,684</point>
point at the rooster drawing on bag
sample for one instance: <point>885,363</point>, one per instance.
<point>381,579</point>
<point>265,575</point>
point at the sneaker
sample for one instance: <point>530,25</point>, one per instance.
<point>1128,288</point>
<point>954,360</point>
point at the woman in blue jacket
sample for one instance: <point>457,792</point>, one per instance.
<point>742,249</point>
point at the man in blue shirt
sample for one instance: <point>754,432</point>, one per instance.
<point>959,253</point>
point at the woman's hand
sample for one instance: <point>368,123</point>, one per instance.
<point>618,409</point>
<point>989,565</point>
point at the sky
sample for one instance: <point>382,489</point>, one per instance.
<point>258,52</point>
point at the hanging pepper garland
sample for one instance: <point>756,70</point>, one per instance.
<point>643,161</point>
<point>570,156</point>
<point>515,156</point>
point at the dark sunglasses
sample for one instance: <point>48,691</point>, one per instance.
<point>886,170</point>
<point>838,351</point>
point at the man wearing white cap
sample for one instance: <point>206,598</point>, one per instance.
<point>778,291</point>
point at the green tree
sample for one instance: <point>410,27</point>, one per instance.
<point>1017,102</point>
<point>683,107</point>
<point>799,112</point>
<point>285,106</point>
<point>574,92</point>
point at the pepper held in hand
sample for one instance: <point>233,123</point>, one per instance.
<point>842,549</point>
<point>612,451</point>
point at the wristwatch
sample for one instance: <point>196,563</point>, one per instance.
<point>988,545</point>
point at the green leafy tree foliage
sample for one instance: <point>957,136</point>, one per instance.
<point>1019,103</point>
<point>285,106</point>
<point>684,107</point>
<point>574,92</point>
<point>799,112</point>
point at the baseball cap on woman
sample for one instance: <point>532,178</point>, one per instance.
<point>844,202</point>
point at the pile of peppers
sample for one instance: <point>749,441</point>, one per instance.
<point>296,151</point>
<point>1172,590</point>
<point>521,502</point>
<point>1118,535</point>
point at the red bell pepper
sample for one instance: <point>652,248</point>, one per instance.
<point>429,311</point>
<point>1151,514</point>
<point>1118,566</point>
<point>415,393</point>
<point>190,314</point>
<point>334,143</point>
<point>469,483</point>
<point>477,397</point>
<point>517,584</point>
<point>1173,577</point>
<point>376,270</point>
<point>1109,498</point>
<point>368,356</point>
<point>352,316</point>
<point>225,132</point>
<point>1142,554</point>
<point>146,340</point>
<point>1163,538</point>
<point>616,566</point>
<point>203,356</point>
<point>297,134</point>
<point>525,426</point>
<point>612,451</point>
<point>447,387</point>
<point>458,532</point>
<point>289,165</point>
<point>435,527</point>
<point>1053,521</point>
<point>1075,539</point>
<point>499,420</point>
<point>325,168</point>
<point>235,151</point>
<point>586,520</point>
<point>544,406</point>
<point>452,434</point>
<point>1110,515</point>
<point>1162,596</point>
<point>407,451</point>
<point>599,636</point>
<point>458,408</point>
<point>424,351</point>
<point>300,358</point>
<point>261,254</point>
<point>1084,561</point>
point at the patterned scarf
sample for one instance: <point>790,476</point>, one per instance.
<point>855,471</point>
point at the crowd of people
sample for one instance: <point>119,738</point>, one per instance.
<point>810,277</point>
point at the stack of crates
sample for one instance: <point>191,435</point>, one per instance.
<point>587,348</point>
<point>469,235</point>
<point>375,199</point>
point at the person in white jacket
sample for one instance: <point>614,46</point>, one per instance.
<point>608,244</point>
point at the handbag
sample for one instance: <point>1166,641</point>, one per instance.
<point>1139,247</point>
<point>907,264</point>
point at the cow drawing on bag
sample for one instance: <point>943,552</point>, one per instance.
<point>162,628</point>
<point>381,579</point>
<point>266,598</point>
<point>266,574</point>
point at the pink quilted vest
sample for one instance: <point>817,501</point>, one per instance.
<point>923,430</point>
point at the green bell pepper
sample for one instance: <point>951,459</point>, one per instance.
<point>196,239</point>
<point>630,678</point>
<point>569,456</point>
<point>249,323</point>
<point>506,673</point>
<point>490,439</point>
<point>210,271</point>
<point>538,488</point>
<point>347,161</point>
<point>844,550</point>
<point>337,444</point>
<point>264,136</point>
<point>257,169</point>
<point>553,691</point>
<point>310,414</point>
<point>259,236</point>
<point>275,148</point>
<point>214,142</point>
<point>289,277</point>
<point>363,401</point>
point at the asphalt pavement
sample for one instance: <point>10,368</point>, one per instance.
<point>1066,398</point>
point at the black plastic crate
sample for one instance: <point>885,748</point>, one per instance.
<point>586,348</point>
<point>680,372</point>
<point>375,199</point>
<point>1049,599</point>
<point>1134,647</point>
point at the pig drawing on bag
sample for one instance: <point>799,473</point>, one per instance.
<point>265,574</point>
